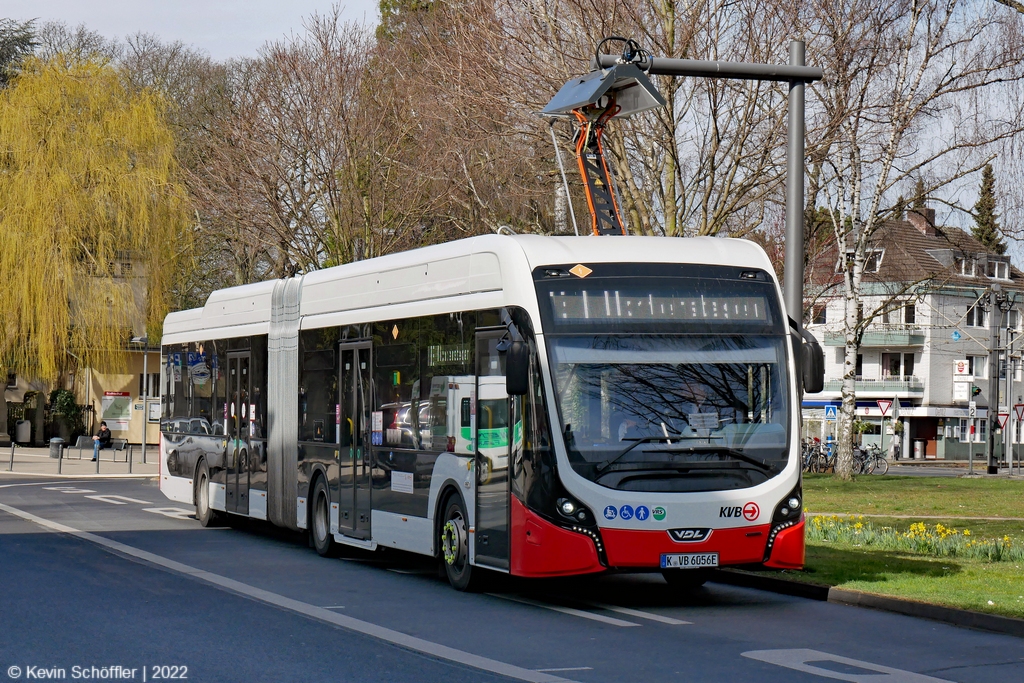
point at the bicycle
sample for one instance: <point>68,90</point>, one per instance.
<point>871,460</point>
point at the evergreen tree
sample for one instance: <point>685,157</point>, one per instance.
<point>986,224</point>
<point>17,41</point>
<point>919,195</point>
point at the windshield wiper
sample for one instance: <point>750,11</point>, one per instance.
<point>740,455</point>
<point>644,439</point>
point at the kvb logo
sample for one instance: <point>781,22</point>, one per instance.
<point>750,511</point>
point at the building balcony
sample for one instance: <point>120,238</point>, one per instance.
<point>882,336</point>
<point>905,385</point>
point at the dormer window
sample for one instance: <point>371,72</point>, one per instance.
<point>997,269</point>
<point>873,260</point>
<point>965,265</point>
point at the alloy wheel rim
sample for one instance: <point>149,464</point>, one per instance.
<point>453,541</point>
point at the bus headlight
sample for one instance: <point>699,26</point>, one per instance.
<point>794,503</point>
<point>566,507</point>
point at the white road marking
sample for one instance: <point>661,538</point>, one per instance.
<point>805,660</point>
<point>567,668</point>
<point>641,615</point>
<point>118,500</point>
<point>334,607</point>
<point>173,513</point>
<point>231,585</point>
<point>566,610</point>
<point>67,489</point>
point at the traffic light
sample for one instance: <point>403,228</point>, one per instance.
<point>975,390</point>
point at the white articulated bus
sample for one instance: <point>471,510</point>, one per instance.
<point>542,406</point>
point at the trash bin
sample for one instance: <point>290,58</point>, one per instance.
<point>919,449</point>
<point>23,431</point>
<point>56,443</point>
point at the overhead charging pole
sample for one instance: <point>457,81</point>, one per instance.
<point>797,75</point>
<point>617,87</point>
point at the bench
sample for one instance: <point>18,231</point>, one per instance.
<point>116,445</point>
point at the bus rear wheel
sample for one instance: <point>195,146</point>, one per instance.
<point>320,521</point>
<point>685,579</point>
<point>206,515</point>
<point>454,545</point>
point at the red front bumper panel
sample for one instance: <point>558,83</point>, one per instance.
<point>539,548</point>
<point>632,548</point>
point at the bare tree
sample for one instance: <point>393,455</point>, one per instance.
<point>896,75</point>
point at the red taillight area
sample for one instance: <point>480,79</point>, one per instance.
<point>633,548</point>
<point>788,550</point>
<point>539,548</point>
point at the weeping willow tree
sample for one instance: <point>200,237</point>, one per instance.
<point>91,216</point>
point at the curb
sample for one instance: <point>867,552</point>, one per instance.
<point>91,475</point>
<point>950,615</point>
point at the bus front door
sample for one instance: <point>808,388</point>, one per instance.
<point>354,406</point>
<point>236,493</point>
<point>492,453</point>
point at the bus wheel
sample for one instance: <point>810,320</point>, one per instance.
<point>204,513</point>
<point>320,524</point>
<point>455,545</point>
<point>685,579</point>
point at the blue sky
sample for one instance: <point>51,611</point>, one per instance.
<point>223,28</point>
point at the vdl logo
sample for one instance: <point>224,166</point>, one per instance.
<point>689,535</point>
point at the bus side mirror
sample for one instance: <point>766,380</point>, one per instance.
<point>517,369</point>
<point>812,364</point>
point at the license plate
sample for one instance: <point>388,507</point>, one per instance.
<point>689,560</point>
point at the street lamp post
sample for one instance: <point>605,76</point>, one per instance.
<point>145,391</point>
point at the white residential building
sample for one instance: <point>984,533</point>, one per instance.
<point>933,283</point>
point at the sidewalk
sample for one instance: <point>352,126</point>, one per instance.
<point>37,462</point>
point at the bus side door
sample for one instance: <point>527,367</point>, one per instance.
<point>492,453</point>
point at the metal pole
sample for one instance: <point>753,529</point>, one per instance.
<point>784,73</point>
<point>145,399</point>
<point>565,180</point>
<point>1008,430</point>
<point>60,460</point>
<point>10,468</point>
<point>130,458</point>
<point>970,448</point>
<point>992,417</point>
<point>795,197</point>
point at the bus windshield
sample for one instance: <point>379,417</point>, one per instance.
<point>668,383</point>
<point>672,413</point>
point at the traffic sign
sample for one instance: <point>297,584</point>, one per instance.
<point>972,410</point>
<point>1019,409</point>
<point>884,404</point>
<point>1003,417</point>
<point>830,413</point>
<point>956,336</point>
<point>962,371</point>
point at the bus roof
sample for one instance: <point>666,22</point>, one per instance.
<point>477,268</point>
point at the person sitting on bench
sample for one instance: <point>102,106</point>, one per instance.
<point>101,440</point>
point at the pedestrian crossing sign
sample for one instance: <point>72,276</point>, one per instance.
<point>830,413</point>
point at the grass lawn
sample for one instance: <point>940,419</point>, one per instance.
<point>892,495</point>
<point>952,581</point>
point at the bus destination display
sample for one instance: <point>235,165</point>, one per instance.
<point>607,304</point>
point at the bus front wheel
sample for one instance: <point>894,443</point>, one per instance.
<point>454,544</point>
